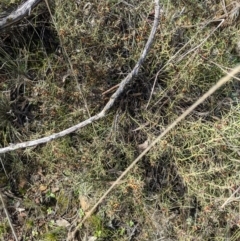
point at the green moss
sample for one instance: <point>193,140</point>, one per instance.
<point>97,226</point>
<point>4,229</point>
<point>55,235</point>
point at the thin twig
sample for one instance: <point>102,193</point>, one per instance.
<point>204,40</point>
<point>221,82</point>
<point>183,56</point>
<point>222,68</point>
<point>111,89</point>
<point>69,62</point>
<point>230,198</point>
<point>8,217</point>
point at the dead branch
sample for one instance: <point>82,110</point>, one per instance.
<point>106,108</point>
<point>22,11</point>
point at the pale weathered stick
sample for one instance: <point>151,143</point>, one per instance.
<point>221,82</point>
<point>110,103</point>
<point>22,11</point>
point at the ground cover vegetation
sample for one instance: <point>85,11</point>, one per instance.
<point>60,65</point>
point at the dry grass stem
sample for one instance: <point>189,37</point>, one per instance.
<point>220,83</point>
<point>8,217</point>
<point>181,57</point>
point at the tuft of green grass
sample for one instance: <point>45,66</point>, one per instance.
<point>4,229</point>
<point>8,129</point>
<point>54,235</point>
<point>5,113</point>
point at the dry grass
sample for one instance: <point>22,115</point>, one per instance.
<point>177,191</point>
